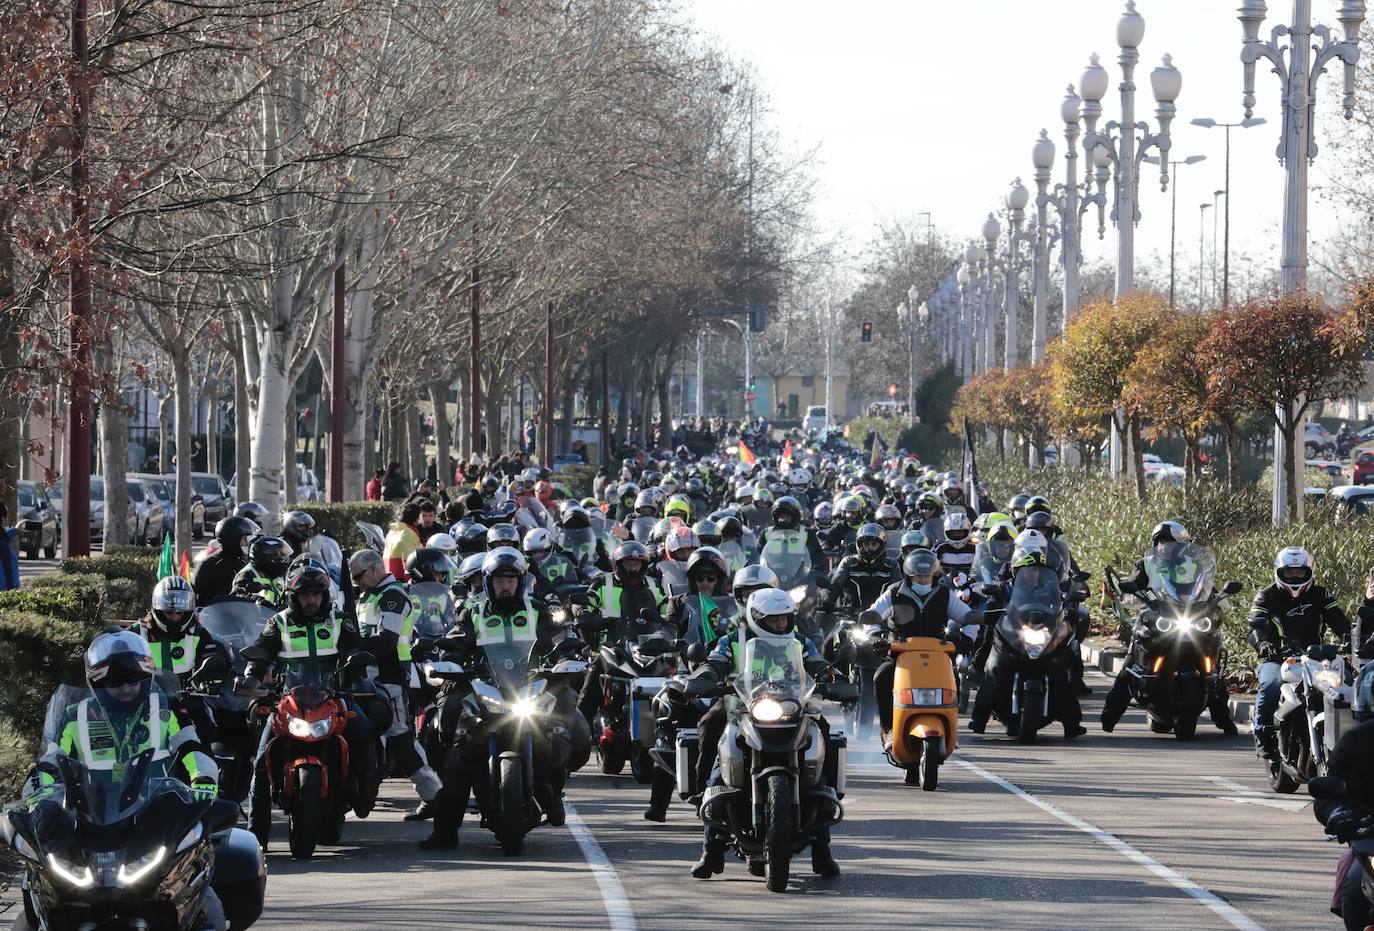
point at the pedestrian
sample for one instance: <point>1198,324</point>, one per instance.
<point>394,486</point>
<point>374,485</point>
<point>9,551</point>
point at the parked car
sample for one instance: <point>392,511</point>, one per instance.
<point>562,461</point>
<point>215,497</point>
<point>1317,440</point>
<point>97,506</point>
<point>1352,500</point>
<point>307,487</point>
<point>168,483</point>
<point>148,511</point>
<point>1363,467</point>
<point>814,419</point>
<point>1332,467</point>
<point>37,523</point>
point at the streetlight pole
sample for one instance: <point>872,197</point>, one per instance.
<point>1125,151</point>
<point>964,278</point>
<point>1042,156</point>
<point>1207,123</point>
<point>1299,74</point>
<point>829,364</point>
<point>1017,199</point>
<point>701,375</point>
<point>1201,252</point>
<point>912,315</point>
<point>1216,214</point>
<point>1173,210</point>
<point>992,231</point>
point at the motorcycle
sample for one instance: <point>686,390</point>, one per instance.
<point>988,562</point>
<point>1353,897</point>
<point>308,764</point>
<point>330,555</point>
<point>925,715</point>
<point>1030,632</point>
<point>139,853</point>
<point>857,649</point>
<point>507,707</point>
<point>1313,713</point>
<point>1176,661</point>
<point>778,784</point>
<point>234,624</point>
<point>638,668</point>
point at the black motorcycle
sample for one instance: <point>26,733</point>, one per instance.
<point>1176,661</point>
<point>138,853</point>
<point>635,669</point>
<point>234,624</point>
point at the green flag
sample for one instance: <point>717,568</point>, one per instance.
<point>167,562</point>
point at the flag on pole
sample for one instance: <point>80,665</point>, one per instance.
<point>185,569</point>
<point>167,561</point>
<point>968,470</point>
<point>745,455</point>
<point>879,448</point>
<point>787,456</point>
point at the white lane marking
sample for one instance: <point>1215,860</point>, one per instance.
<point>1233,916</point>
<point>618,910</point>
<point>1249,796</point>
<point>1233,786</point>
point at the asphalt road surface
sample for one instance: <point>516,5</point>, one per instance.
<point>1122,830</point>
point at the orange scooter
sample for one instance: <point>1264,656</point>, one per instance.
<point>925,709</point>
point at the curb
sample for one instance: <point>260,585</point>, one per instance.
<point>1110,659</point>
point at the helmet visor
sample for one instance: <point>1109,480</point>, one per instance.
<point>1294,575</point>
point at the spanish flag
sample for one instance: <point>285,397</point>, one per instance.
<point>787,456</point>
<point>185,569</point>
<point>745,455</point>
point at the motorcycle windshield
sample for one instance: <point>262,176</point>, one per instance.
<point>509,664</point>
<point>773,666</point>
<point>786,554</point>
<point>1181,573</point>
<point>735,557</point>
<point>674,575</point>
<point>642,528</point>
<point>1035,601</point>
<point>986,564</point>
<point>580,545</point>
<point>328,552</point>
<point>435,612</point>
<point>234,625</point>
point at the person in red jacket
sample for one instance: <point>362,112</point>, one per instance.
<point>374,485</point>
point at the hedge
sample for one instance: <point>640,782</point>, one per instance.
<point>77,599</point>
<point>577,479</point>
<point>39,652</point>
<point>137,566</point>
<point>340,519</point>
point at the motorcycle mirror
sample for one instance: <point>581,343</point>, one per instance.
<point>842,691</point>
<point>696,653</point>
<point>1232,587</point>
<point>215,667</point>
<point>870,617</point>
<point>249,687</point>
<point>1083,576</point>
<point>358,661</point>
<point>256,654</point>
<point>1076,597</point>
<point>654,647</point>
<point>648,616</point>
<point>223,815</point>
<point>848,653</point>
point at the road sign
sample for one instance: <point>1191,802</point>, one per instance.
<point>750,397</point>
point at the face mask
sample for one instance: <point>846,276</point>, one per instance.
<point>921,590</point>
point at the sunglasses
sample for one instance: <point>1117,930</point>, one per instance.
<point>358,576</point>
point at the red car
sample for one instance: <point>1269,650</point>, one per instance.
<point>1364,467</point>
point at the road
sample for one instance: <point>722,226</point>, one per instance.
<point>1118,830</point>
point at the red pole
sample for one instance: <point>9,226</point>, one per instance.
<point>475,360</point>
<point>605,407</point>
<point>338,381</point>
<point>77,484</point>
<point>548,386</point>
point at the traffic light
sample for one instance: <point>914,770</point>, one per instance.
<point>753,388</point>
<point>756,317</point>
<point>866,333</point>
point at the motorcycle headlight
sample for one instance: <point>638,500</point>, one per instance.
<point>1163,625</point>
<point>797,594</point>
<point>770,710</point>
<point>25,849</point>
<point>310,730</point>
<point>559,615</point>
<point>1035,636</point>
<point>192,838</point>
<point>1202,625</point>
<point>523,707</point>
<point>80,877</point>
<point>131,872</point>
<point>493,702</point>
<point>1328,679</point>
<point>858,635</point>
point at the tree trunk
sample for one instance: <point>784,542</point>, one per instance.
<point>415,443</point>
<point>563,439</point>
<point>181,376</point>
<point>11,405</point>
<point>1232,453</point>
<point>243,437</point>
<point>1190,448</point>
<point>114,449</point>
<point>622,418</point>
<point>164,434</point>
<point>1292,478</point>
<point>665,413</point>
<point>212,433</point>
<point>1136,472</point>
<point>269,450</point>
<point>462,423</point>
<point>289,440</point>
<point>492,427</point>
<point>438,397</point>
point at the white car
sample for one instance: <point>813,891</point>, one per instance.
<point>307,487</point>
<point>814,421</point>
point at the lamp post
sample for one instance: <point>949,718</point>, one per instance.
<point>1207,123</point>
<point>1042,156</point>
<point>1174,163</point>
<point>1299,73</point>
<point>964,278</point>
<point>992,230</point>
<point>1017,199</point>
<point>1201,252</point>
<point>1125,149</point>
<point>911,313</point>
<point>1071,203</point>
<point>1216,199</point>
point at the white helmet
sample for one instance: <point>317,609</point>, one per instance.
<point>1293,570</point>
<point>957,525</point>
<point>444,543</point>
<point>799,478</point>
<point>744,493</point>
<point>769,603</point>
<point>537,541</point>
<point>1031,540</point>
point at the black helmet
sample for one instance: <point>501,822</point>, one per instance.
<point>1039,520</point>
<point>472,537</point>
<point>176,595</point>
<point>298,524</point>
<point>870,533</point>
<point>708,532</point>
<point>427,564</point>
<point>1017,505</point>
<point>119,659</point>
<point>630,549</point>
<point>1037,503</point>
<point>574,517</point>
<point>490,485</point>
<point>787,512</point>
<point>307,577</point>
<point>707,558</point>
<point>232,531</point>
<point>253,511</point>
<point>503,535</point>
<point>921,562</point>
<point>503,561</point>
<point>270,555</point>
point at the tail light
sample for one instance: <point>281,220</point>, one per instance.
<point>1159,663</point>
<point>925,698</point>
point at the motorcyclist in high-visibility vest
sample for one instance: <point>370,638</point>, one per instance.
<point>549,569</point>
<point>433,614</point>
<point>309,637</point>
<point>770,612</point>
<point>179,644</point>
<point>787,535</point>
<point>631,603</point>
<point>263,578</point>
<point>502,613</point>
<point>124,716</point>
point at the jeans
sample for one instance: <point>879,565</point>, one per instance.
<point>1267,696</point>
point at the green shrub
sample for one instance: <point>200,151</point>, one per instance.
<point>17,754</point>
<point>138,566</point>
<point>577,479</point>
<point>340,519</point>
<point>39,652</point>
<point>120,599</point>
<point>75,599</point>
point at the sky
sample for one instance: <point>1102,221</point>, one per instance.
<point>933,106</point>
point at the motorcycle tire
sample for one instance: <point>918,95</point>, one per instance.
<point>1160,727</point>
<point>612,761</point>
<point>1279,780</point>
<point>510,820</point>
<point>305,821</point>
<point>581,740</point>
<point>1186,726</point>
<point>931,758</point>
<point>1029,723</point>
<point>778,824</point>
<point>332,831</point>
<point>642,765</point>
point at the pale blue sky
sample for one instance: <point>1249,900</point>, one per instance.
<point>933,105</point>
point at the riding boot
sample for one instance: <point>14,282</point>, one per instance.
<point>712,859</point>
<point>449,808</point>
<point>1219,705</point>
<point>1117,701</point>
<point>660,794</point>
<point>822,861</point>
<point>260,808</point>
<point>1266,742</point>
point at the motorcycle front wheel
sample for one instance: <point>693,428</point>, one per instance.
<point>510,820</point>
<point>304,823</point>
<point>778,821</point>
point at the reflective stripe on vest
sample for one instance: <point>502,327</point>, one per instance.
<point>178,656</point>
<point>610,596</point>
<point>370,618</point>
<point>307,641</point>
<point>498,628</point>
<point>106,759</point>
<point>785,541</point>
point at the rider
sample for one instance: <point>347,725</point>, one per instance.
<point>770,612</point>
<point>868,568</point>
<point>957,551</point>
<point>214,577</point>
<point>917,606</point>
<point>930,517</point>
<point>1286,617</point>
<point>549,569</point>
<point>1167,541</point>
<point>502,613</point>
<point>178,643</point>
<point>261,578</point>
<point>297,527</point>
<point>308,630</point>
<point>787,534</point>
<point>623,596</point>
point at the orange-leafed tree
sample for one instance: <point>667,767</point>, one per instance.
<point>1167,384</point>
